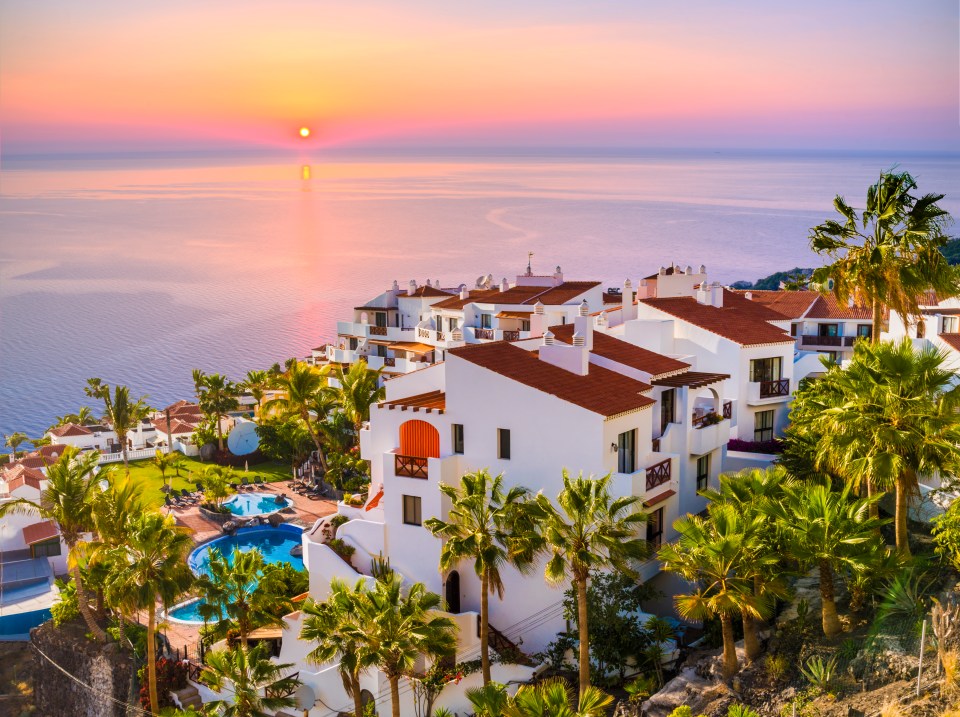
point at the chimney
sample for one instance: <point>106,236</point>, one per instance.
<point>464,292</point>
<point>548,338</point>
<point>600,321</point>
<point>748,295</point>
<point>703,293</point>
<point>716,294</point>
<point>584,308</point>
<point>688,270</point>
<point>504,285</point>
<point>412,288</point>
<point>579,340</point>
<point>538,321</point>
<point>557,276</point>
<point>436,283</point>
<point>575,359</point>
<point>703,269</point>
<point>662,271</point>
<point>583,327</point>
<point>628,311</point>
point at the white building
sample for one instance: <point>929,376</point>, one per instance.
<point>938,325</point>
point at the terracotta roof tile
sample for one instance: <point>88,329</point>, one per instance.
<point>431,401</point>
<point>827,307</point>
<point>739,320</point>
<point>38,532</point>
<point>177,426</point>
<point>70,429</point>
<point>601,391</point>
<point>20,475</point>
<point>790,304</point>
<point>529,295</point>
<point>951,340</point>
<point>624,352</point>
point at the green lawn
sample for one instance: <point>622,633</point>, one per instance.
<point>147,475</point>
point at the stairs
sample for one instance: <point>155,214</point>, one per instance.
<point>188,697</point>
<point>504,647</point>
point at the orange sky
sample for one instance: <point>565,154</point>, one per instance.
<point>100,75</point>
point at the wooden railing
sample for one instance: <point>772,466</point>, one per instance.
<point>511,335</point>
<point>484,333</point>
<point>410,466</point>
<point>658,474</point>
<point>389,361</point>
<point>505,647</point>
<point>276,693</point>
<point>655,446</point>
<point>378,330</point>
<point>774,389</point>
<point>728,409</point>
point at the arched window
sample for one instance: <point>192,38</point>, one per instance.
<point>921,329</point>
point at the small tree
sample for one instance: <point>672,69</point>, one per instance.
<point>15,439</point>
<point>217,484</point>
<point>254,682</point>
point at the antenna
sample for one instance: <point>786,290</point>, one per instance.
<point>529,258</point>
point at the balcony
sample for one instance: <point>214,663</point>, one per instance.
<point>484,334</point>
<point>828,341</point>
<point>760,393</point>
<point>708,436</point>
<point>658,474</point>
<point>410,466</point>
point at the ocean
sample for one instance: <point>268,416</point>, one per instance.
<point>138,270</point>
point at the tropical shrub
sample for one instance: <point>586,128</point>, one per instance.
<point>819,672</point>
<point>738,710</point>
<point>776,666</point>
<point>171,676</point>
<point>772,446</point>
<point>642,687</point>
<point>946,535</point>
<point>344,550</point>
<point>67,608</point>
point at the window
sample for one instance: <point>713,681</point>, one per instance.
<point>864,331</point>
<point>503,443</point>
<point>763,425</point>
<point>627,452</point>
<point>921,329</point>
<point>381,350</point>
<point>458,438</point>
<point>46,549</point>
<point>655,528</point>
<point>794,329</point>
<point>703,472</point>
<point>453,324</point>
<point>411,510</point>
<point>486,321</point>
<point>524,325</point>
<point>353,343</point>
<point>828,330</point>
<point>767,369</point>
<point>380,318</point>
<point>667,405</point>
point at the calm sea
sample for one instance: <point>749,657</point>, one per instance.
<point>138,271</point>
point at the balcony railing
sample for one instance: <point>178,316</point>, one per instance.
<point>389,361</point>
<point>410,466</point>
<point>378,330</point>
<point>484,333</point>
<point>658,474</point>
<point>511,335</point>
<point>728,409</point>
<point>828,340</point>
<point>774,389</point>
<point>655,445</point>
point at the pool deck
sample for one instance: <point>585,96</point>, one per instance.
<point>306,512</point>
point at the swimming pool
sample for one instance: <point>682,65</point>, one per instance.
<point>274,543</point>
<point>256,504</point>
<point>186,612</point>
<point>18,625</point>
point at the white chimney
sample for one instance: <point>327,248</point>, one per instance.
<point>584,308</point>
<point>396,285</point>
<point>579,340</point>
<point>748,296</point>
<point>583,328</point>
<point>436,283</point>
<point>703,269</point>
<point>504,285</point>
<point>716,294</point>
<point>548,338</point>
<point>600,321</point>
<point>575,359</point>
<point>688,270</point>
<point>663,271</point>
<point>703,293</point>
<point>557,276</point>
<point>538,321</point>
<point>464,292</point>
<point>628,311</point>
<point>412,288</point>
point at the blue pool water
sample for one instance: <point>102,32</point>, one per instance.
<point>19,624</point>
<point>188,612</point>
<point>256,504</point>
<point>274,543</point>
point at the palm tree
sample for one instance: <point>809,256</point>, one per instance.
<point>828,530</point>
<point>305,394</point>
<point>151,564</point>
<point>15,439</point>
<point>748,492</point>
<point>359,390</point>
<point>217,484</point>
<point>163,462</point>
<point>708,554</point>
<point>480,529</point>
<point>257,383</point>
<point>245,673</point>
<point>334,627</point>
<point>123,413</point>
<point>591,531</point>
<point>889,255</point>
<point>232,590</point>
<point>397,628</point>
<point>86,417</point>
<point>553,698</point>
<point>896,419</point>
<point>218,396</point>
<point>198,377</point>
<point>68,500</point>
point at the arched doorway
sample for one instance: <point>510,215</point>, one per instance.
<point>366,698</point>
<point>453,592</point>
<point>420,439</point>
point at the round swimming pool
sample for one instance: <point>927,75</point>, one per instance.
<point>256,503</point>
<point>186,612</point>
<point>274,543</point>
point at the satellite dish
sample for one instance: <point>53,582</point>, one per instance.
<point>304,697</point>
<point>243,439</point>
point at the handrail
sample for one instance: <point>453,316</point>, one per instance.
<point>658,474</point>
<point>773,389</point>
<point>410,466</point>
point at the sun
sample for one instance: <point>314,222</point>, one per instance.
<point>304,132</point>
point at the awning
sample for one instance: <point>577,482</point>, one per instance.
<point>378,342</point>
<point>414,346</point>
<point>39,532</point>
<point>514,315</point>
<point>266,633</point>
<point>659,498</point>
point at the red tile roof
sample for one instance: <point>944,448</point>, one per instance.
<point>611,298</point>
<point>431,401</point>
<point>425,292</point>
<point>546,295</point>
<point>601,391</point>
<point>39,458</point>
<point>70,429</point>
<point>951,340</point>
<point>827,307</point>
<point>177,426</point>
<point>739,320</point>
<point>20,475</point>
<point>38,532</point>
<point>789,304</point>
<point>624,352</point>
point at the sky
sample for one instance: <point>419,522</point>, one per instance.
<point>103,75</point>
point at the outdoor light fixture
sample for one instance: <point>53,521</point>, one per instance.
<point>614,448</point>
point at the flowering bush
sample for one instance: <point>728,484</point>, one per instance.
<point>171,676</point>
<point>772,446</point>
